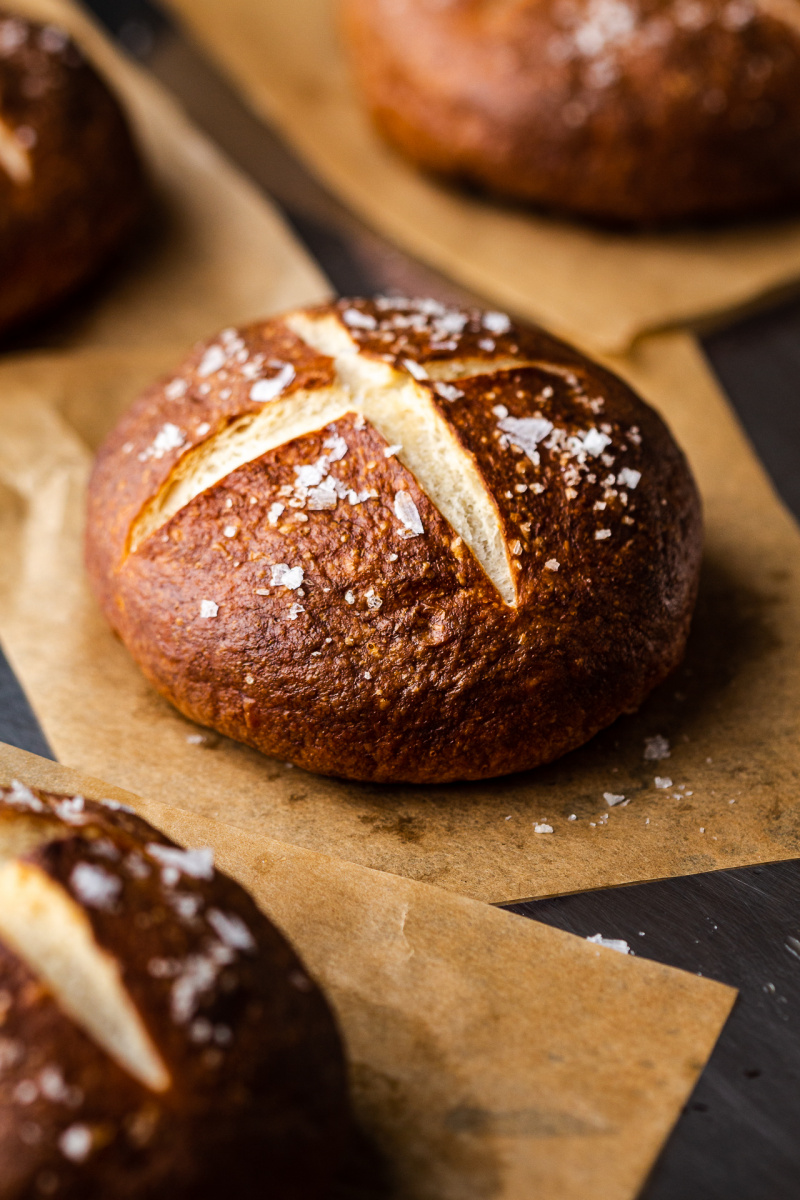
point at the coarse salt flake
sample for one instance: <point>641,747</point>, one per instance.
<point>661,781</point>
<point>197,976</point>
<point>656,748</point>
<point>594,442</point>
<point>208,608</point>
<point>213,359</point>
<point>75,1143</point>
<point>448,391</point>
<point>601,534</point>
<point>390,451</point>
<point>94,886</point>
<point>264,390</point>
<point>175,389</point>
<point>169,437</point>
<point>611,799</point>
<point>541,827</point>
<point>526,432</point>
<point>198,863</point>
<point>358,320</point>
<point>275,511</point>
<point>285,576</point>
<point>21,796</point>
<point>230,531</point>
<point>496,322</point>
<point>322,497</point>
<point>336,448</point>
<point>629,478</point>
<point>552,564</point>
<point>618,944</point>
<point>72,810</point>
<point>231,930</point>
<point>407,513</point>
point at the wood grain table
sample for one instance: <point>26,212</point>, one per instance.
<point>739,1136</point>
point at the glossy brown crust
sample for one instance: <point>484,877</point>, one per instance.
<point>86,188</point>
<point>397,659</point>
<point>258,1087</point>
<point>634,111</point>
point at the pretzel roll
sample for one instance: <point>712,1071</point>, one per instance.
<point>388,540</point>
<point>158,1036</point>
<point>71,184</point>
<point>638,112</point>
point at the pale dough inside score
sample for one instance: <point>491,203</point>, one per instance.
<point>399,409</point>
<point>14,158</point>
<point>52,935</point>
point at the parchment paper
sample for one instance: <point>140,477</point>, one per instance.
<point>491,1056</point>
<point>597,287</point>
<point>730,715</point>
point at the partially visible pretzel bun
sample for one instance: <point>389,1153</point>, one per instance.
<point>632,111</point>
<point>158,1037</point>
<point>393,541</point>
<point>71,183</point>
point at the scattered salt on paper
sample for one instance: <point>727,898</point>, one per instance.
<point>618,944</point>
<point>656,748</point>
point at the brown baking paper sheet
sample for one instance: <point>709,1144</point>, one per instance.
<point>490,1056</point>
<point>731,783</point>
<point>224,255</point>
<point>598,287</point>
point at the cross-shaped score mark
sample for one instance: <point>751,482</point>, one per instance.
<point>397,403</point>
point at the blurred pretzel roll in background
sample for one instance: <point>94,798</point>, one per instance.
<point>71,183</point>
<point>640,112</point>
<point>389,540</point>
<point>158,1036</point>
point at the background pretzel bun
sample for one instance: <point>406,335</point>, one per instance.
<point>158,1036</point>
<point>71,184</point>
<point>388,540</point>
<point>631,111</point>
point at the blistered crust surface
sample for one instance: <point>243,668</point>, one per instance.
<point>71,184</point>
<point>316,604</point>
<point>640,111</point>
<point>256,1074</point>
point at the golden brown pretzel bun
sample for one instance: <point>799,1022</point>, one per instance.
<point>387,540</point>
<point>159,1037</point>
<point>71,184</point>
<point>632,111</point>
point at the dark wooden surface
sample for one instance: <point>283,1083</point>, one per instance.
<point>739,1137</point>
